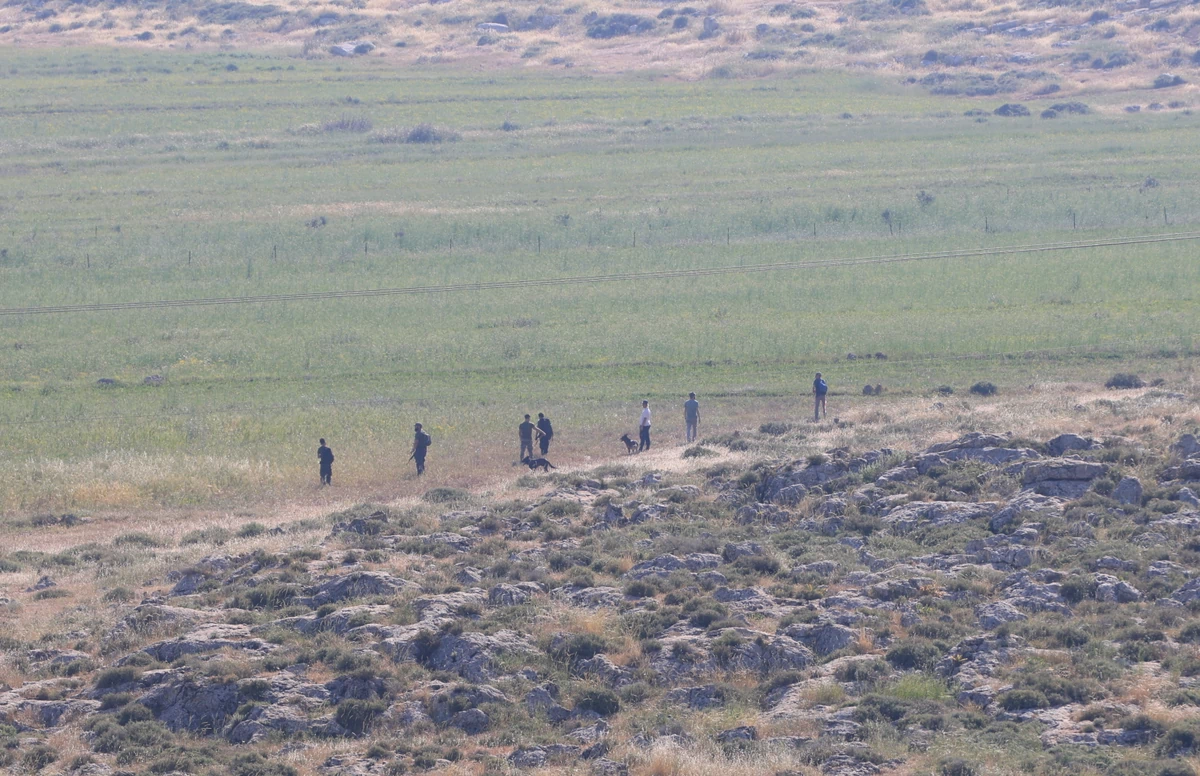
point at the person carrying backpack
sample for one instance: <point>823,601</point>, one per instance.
<point>421,443</point>
<point>547,433</point>
<point>820,388</point>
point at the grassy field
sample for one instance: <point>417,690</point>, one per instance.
<point>149,176</point>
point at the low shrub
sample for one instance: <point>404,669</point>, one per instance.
<point>427,133</point>
<point>357,716</point>
<point>211,535</point>
<point>1020,700</point>
<point>1124,380</point>
<point>38,757</point>
<point>983,389</point>
<point>446,495</point>
<point>251,530</point>
<point>862,671</point>
<point>581,646</point>
<point>136,539</point>
<point>913,654</point>
<point>602,702</point>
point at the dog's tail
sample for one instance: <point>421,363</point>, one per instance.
<point>552,466</point>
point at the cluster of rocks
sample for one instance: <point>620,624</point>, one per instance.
<point>750,600</point>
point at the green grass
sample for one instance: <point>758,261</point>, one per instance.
<point>165,176</point>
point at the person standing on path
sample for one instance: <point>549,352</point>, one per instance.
<point>421,443</point>
<point>525,433</point>
<point>820,388</point>
<point>545,433</point>
<point>325,456</point>
<point>691,417</point>
<point>644,427</point>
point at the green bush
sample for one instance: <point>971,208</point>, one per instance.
<point>603,702</point>
<point>862,671</point>
<point>912,654</point>
<point>211,535</point>
<point>581,646</point>
<point>115,677</point>
<point>38,757</point>
<point>1179,740</point>
<point>251,530</point>
<point>357,716</point>
<point>136,539</point>
<point>257,764</point>
<point>1020,700</point>
<point>446,495</point>
<point>956,767</point>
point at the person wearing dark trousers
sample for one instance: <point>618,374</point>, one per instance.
<point>525,433</point>
<point>691,417</point>
<point>644,427</point>
<point>820,388</point>
<point>421,443</point>
<point>546,432</point>
<point>325,456</point>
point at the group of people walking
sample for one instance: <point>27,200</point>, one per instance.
<point>542,432</point>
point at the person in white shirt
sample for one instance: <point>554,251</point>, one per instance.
<point>644,427</point>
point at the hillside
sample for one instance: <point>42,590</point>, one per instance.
<point>949,46</point>
<point>782,600</point>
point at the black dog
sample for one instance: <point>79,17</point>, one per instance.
<point>535,463</point>
<point>630,445</point>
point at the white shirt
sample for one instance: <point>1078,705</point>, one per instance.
<point>645,417</point>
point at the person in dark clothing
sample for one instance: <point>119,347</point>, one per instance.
<point>421,443</point>
<point>820,388</point>
<point>325,456</point>
<point>525,432</point>
<point>691,418</point>
<point>547,433</point>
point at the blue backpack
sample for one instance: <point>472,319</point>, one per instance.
<point>821,387</point>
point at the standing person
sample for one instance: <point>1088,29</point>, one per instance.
<point>421,443</point>
<point>644,427</point>
<point>820,388</point>
<point>546,433</point>
<point>691,417</point>
<point>325,456</point>
<point>525,433</point>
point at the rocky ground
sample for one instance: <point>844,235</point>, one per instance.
<point>1019,50</point>
<point>990,604</point>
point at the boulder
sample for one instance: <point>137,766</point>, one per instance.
<point>743,734</point>
<point>997,613</point>
<point>1128,491</point>
<point>358,584</point>
<point>1187,496</point>
<point>1066,478</point>
<point>1114,590</point>
<point>937,513</point>
<point>704,697</point>
<point>1064,443</point>
<point>513,595</point>
<point>1188,446</point>
<point>475,656</point>
<point>196,705</point>
<point>448,606</point>
<point>733,551</point>
<point>471,721</point>
<point>822,638</point>
<point>210,638</point>
<point>446,703</point>
<point>589,597</point>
